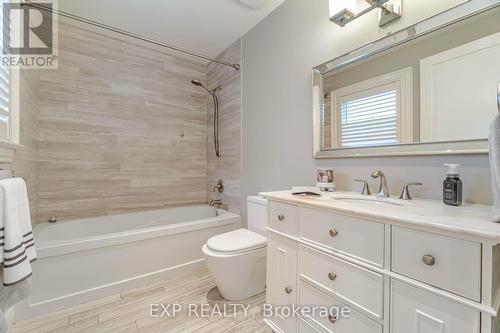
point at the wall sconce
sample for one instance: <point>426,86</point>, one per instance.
<point>345,11</point>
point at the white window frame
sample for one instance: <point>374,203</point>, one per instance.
<point>400,80</point>
<point>9,145</point>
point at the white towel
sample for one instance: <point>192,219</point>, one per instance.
<point>494,142</point>
<point>17,247</point>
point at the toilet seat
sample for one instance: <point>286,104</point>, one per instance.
<point>237,241</point>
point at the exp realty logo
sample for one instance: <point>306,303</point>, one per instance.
<point>29,34</point>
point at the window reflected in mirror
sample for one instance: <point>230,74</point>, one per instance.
<point>440,87</point>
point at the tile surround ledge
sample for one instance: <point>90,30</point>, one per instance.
<point>469,220</point>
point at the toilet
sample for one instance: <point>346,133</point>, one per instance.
<point>237,259</point>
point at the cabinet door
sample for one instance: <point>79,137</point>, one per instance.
<point>417,311</point>
<point>282,278</point>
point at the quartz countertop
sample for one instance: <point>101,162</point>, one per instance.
<point>469,219</point>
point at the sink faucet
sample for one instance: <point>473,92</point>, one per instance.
<point>383,190</point>
<point>216,203</point>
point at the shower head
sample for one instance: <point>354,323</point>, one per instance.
<point>196,83</point>
<point>199,84</point>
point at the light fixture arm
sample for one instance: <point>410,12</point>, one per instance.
<point>390,10</point>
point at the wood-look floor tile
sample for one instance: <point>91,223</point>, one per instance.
<point>90,322</point>
<point>93,308</point>
<point>42,325</point>
<point>130,311</point>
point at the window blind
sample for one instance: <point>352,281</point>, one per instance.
<point>371,120</point>
<point>4,77</point>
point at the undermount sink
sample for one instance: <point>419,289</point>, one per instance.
<point>367,199</point>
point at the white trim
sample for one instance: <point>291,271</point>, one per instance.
<point>400,80</point>
<point>8,150</point>
<point>14,106</point>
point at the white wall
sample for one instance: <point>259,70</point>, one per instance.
<point>278,55</point>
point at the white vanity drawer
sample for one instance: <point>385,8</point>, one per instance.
<point>356,322</point>
<point>283,218</point>
<point>447,263</point>
<point>416,311</point>
<point>347,282</point>
<point>360,239</point>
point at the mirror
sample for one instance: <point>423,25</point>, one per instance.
<point>428,89</point>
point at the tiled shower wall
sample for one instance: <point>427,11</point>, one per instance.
<point>120,129</point>
<point>25,159</point>
<point>228,166</point>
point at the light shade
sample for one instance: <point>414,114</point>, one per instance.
<point>338,6</point>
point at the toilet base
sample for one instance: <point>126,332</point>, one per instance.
<point>238,276</point>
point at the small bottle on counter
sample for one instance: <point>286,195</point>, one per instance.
<point>452,186</point>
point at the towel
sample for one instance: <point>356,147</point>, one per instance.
<point>494,143</point>
<point>17,247</point>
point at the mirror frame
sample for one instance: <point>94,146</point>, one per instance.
<point>422,28</point>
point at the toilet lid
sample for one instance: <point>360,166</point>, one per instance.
<point>237,241</point>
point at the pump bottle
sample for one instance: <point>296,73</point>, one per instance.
<point>452,186</point>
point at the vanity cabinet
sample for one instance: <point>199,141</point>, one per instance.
<point>395,274</point>
<point>416,311</point>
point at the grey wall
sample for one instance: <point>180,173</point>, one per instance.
<point>278,55</point>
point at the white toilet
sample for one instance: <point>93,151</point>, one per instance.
<point>237,259</point>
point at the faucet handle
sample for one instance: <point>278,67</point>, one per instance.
<point>366,186</point>
<point>219,187</point>
<point>405,193</point>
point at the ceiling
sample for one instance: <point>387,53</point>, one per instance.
<point>204,26</point>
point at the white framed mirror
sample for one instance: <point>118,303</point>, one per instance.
<point>429,89</point>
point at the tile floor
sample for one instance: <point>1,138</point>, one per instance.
<point>130,311</point>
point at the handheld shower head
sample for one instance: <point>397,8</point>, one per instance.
<point>199,84</point>
<point>196,83</point>
<point>216,113</point>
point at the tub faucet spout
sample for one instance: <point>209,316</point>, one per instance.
<point>216,203</point>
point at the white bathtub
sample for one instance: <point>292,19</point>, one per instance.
<point>81,260</point>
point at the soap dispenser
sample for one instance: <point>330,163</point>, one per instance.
<point>452,186</point>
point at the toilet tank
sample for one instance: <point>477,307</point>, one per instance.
<point>257,214</point>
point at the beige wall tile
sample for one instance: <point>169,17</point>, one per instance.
<point>228,166</point>
<point>109,129</point>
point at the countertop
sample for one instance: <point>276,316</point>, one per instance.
<point>469,219</point>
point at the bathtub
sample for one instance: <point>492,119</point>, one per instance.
<point>85,259</point>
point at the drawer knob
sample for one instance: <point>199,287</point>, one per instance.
<point>332,319</point>
<point>281,217</point>
<point>332,276</point>
<point>288,290</point>
<point>333,232</point>
<point>429,260</point>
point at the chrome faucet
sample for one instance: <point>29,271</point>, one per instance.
<point>383,190</point>
<point>216,203</point>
